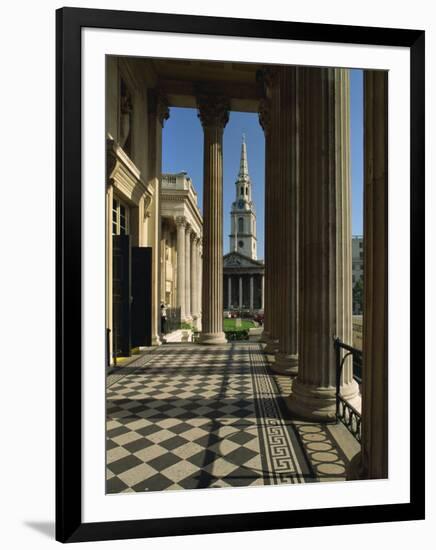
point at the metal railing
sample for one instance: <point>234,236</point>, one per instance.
<point>345,412</point>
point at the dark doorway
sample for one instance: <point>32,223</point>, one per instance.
<point>141,296</point>
<point>121,295</point>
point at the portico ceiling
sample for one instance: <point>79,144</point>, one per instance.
<point>182,80</point>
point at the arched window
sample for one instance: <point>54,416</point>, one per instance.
<point>240,225</point>
<point>242,191</point>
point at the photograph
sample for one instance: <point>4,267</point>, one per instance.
<point>242,256</point>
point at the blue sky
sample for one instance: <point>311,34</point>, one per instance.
<point>183,150</point>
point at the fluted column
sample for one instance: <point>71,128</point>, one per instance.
<point>251,293</point>
<point>325,242</point>
<point>194,274</point>
<point>158,112</point>
<point>213,113</point>
<point>188,232</point>
<point>286,359</point>
<point>269,117</point>
<point>241,293</point>
<point>265,122</point>
<point>200,282</point>
<point>374,454</point>
<point>229,292</point>
<point>181,238</point>
<point>262,296</point>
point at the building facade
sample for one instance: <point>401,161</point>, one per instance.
<point>243,273</point>
<point>181,256</point>
<point>357,258</point>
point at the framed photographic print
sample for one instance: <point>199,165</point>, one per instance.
<point>240,274</point>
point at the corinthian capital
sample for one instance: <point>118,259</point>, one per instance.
<point>158,104</point>
<point>269,77</point>
<point>213,111</point>
<point>181,221</point>
<point>265,115</point>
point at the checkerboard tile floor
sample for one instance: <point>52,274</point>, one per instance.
<point>188,417</point>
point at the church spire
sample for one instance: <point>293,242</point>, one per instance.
<point>243,166</point>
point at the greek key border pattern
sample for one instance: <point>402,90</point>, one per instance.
<point>281,460</point>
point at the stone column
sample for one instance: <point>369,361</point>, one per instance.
<point>325,242</point>
<point>188,232</point>
<point>286,359</point>
<point>373,462</point>
<point>194,274</point>
<point>251,293</point>
<point>181,238</point>
<point>229,292</point>
<point>262,296</point>
<point>265,122</point>
<point>213,113</point>
<point>158,112</point>
<point>200,283</point>
<point>241,288</point>
<point>269,117</point>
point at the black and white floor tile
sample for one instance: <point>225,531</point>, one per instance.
<point>187,417</point>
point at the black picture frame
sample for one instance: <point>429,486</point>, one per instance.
<point>69,525</point>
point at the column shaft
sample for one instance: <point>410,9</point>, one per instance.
<point>181,238</point>
<point>158,112</point>
<point>251,293</point>
<point>325,242</point>
<point>229,292</point>
<point>287,181</point>
<point>194,276</point>
<point>262,296</point>
<point>213,113</point>
<point>374,455</point>
<point>270,120</point>
<point>265,122</point>
<point>188,273</point>
<point>241,292</point>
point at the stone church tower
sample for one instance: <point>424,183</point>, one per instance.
<point>243,214</point>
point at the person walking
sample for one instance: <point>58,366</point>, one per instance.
<point>163,318</point>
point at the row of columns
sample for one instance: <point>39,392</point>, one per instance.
<point>308,273</point>
<point>308,293</point>
<point>188,270</point>
<point>240,292</point>
<point>306,120</point>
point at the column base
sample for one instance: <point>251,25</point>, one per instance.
<point>265,337</point>
<point>212,338</point>
<point>272,346</point>
<point>196,322</point>
<point>156,341</point>
<point>355,469</point>
<point>286,364</point>
<point>317,403</point>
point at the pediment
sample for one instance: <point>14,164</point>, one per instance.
<point>234,259</point>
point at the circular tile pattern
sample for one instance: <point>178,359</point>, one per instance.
<point>310,429</point>
<point>319,446</point>
<point>331,469</point>
<point>325,457</point>
<point>313,437</point>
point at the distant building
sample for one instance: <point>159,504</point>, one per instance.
<point>181,255</point>
<point>243,272</point>
<point>357,258</point>
<point>357,270</point>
